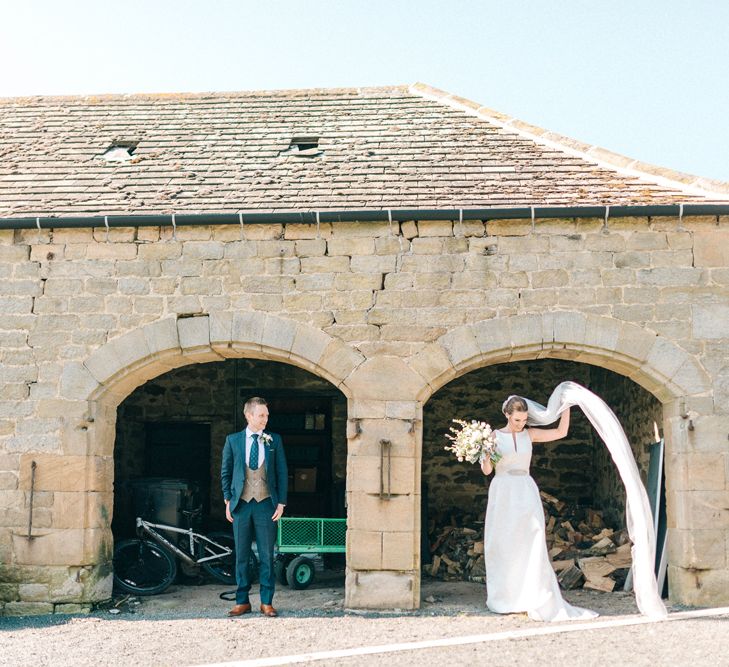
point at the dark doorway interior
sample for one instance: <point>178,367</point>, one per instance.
<point>179,450</point>
<point>304,423</point>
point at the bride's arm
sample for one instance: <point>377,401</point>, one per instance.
<point>547,435</point>
<point>486,466</point>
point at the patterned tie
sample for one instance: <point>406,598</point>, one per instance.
<point>253,458</point>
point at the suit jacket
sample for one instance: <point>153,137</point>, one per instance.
<point>233,468</point>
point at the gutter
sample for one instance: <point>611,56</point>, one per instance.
<point>381,215</point>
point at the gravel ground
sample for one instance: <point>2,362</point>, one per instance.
<point>187,625</point>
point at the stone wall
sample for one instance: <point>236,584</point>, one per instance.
<point>386,313</point>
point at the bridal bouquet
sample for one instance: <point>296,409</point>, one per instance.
<point>472,441</point>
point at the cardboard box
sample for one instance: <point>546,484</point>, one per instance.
<point>305,480</point>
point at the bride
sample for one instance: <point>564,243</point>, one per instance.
<point>519,576</point>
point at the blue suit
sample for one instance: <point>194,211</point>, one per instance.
<point>253,518</point>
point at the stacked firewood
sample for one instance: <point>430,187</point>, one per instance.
<point>585,553</point>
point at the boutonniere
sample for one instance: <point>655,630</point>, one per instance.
<point>266,439</point>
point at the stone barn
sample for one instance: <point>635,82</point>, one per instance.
<point>376,262</point>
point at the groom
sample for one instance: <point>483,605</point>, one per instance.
<point>254,479</point>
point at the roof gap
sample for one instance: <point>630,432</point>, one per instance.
<point>120,150</point>
<point>303,146</point>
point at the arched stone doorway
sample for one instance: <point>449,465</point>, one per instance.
<point>173,428</point>
<point>576,471</point>
<point>668,372</point>
<point>117,368</point>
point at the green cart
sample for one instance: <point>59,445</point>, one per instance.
<point>301,544</point>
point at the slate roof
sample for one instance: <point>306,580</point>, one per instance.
<point>378,148</point>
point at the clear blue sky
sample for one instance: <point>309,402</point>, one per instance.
<point>646,78</point>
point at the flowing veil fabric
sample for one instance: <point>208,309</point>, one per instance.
<point>639,521</point>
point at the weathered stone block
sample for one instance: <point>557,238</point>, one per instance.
<point>435,367</point>
<point>409,229</point>
<point>60,547</point>
<point>27,608</point>
<point>699,549</point>
<point>709,434</point>
<point>339,360</point>
<point>711,248</point>
<point>33,592</point>
<point>701,510</point>
<point>71,608</point>
<point>247,329</point>
<point>435,228</point>
<point>111,251</point>
<point>391,245</point>
<point>309,343</point>
<point>262,232</point>
<point>368,229</point>
<point>66,473</point>
<point>702,588</point>
<point>311,248</point>
<point>427,246</point>
<point>351,246</point>
<point>358,281</point>
<point>374,380</point>
<point>275,248</point>
<point>460,345</point>
<point>306,231</point>
<point>221,329</point>
<point>369,512</point>
<point>404,410</point>
<point>278,333</point>
<point>366,474</point>
<point>381,590</point>
<point>373,263</point>
<point>203,249</point>
<point>364,549</point>
<point>400,551</point>
<point>710,321</point>
<point>193,332</point>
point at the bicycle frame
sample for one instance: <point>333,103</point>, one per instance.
<point>147,528</point>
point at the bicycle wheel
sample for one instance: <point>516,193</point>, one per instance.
<point>142,567</point>
<point>223,569</point>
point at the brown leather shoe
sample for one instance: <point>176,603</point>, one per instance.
<point>268,610</point>
<point>240,609</point>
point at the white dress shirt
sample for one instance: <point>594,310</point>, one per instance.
<point>261,448</point>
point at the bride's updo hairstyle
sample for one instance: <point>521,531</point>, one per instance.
<point>513,404</point>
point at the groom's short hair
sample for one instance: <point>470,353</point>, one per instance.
<point>250,404</point>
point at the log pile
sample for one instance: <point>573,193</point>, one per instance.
<point>585,553</point>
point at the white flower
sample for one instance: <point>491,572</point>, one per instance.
<point>473,441</point>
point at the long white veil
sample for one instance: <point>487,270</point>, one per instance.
<point>639,521</point>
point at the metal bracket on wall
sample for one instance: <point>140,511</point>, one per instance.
<point>385,481</point>
<point>33,466</point>
<point>354,427</point>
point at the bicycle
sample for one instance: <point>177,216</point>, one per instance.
<point>146,565</point>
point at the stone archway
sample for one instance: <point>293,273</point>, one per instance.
<point>93,389</point>
<point>664,369</point>
<point>654,362</point>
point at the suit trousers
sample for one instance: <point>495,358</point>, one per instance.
<point>253,519</point>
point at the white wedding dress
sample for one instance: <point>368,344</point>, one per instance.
<point>519,576</point>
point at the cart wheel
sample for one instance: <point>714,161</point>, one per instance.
<point>300,572</point>
<point>279,568</point>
